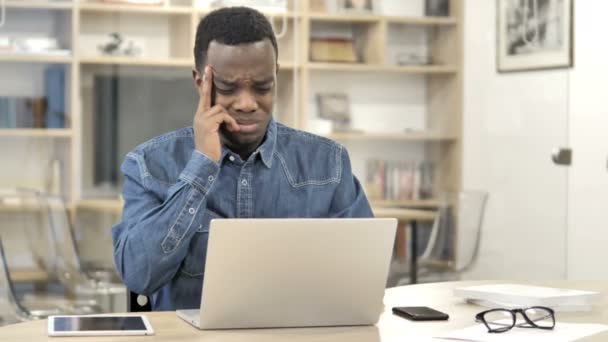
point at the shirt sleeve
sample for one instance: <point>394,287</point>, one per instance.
<point>153,236</point>
<point>349,199</point>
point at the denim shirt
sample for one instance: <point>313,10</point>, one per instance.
<point>172,191</point>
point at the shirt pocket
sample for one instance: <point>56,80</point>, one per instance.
<point>194,262</point>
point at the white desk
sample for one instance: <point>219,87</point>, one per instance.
<point>389,329</point>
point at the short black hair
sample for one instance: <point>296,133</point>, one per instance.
<point>231,26</point>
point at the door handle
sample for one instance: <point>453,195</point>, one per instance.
<point>562,156</point>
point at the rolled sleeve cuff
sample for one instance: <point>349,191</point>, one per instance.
<point>200,171</point>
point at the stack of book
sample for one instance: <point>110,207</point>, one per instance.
<point>511,296</point>
<point>37,112</point>
<point>22,112</point>
<point>398,180</point>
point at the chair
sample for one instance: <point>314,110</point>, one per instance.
<point>27,213</point>
<point>11,309</point>
<point>102,285</point>
<point>453,244</point>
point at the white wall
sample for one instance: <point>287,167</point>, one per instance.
<point>511,123</point>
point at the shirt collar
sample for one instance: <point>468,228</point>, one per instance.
<point>266,150</point>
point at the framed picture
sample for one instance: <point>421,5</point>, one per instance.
<point>336,108</point>
<point>359,6</point>
<point>533,34</point>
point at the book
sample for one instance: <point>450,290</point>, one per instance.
<point>527,296</point>
<point>54,89</point>
<point>4,121</point>
<point>398,180</point>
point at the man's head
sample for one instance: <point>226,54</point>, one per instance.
<point>239,45</point>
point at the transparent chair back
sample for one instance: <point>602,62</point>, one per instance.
<point>67,262</point>
<point>458,228</point>
<point>27,242</point>
<point>111,295</point>
<point>10,309</point>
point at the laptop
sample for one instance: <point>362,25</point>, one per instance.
<point>280,273</point>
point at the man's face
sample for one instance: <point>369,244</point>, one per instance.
<point>244,83</point>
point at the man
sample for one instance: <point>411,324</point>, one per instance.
<point>235,162</point>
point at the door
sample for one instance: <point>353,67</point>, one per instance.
<point>588,181</point>
<point>512,123</point>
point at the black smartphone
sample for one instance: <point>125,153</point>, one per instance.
<point>420,313</point>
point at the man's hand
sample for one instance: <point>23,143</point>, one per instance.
<point>207,121</point>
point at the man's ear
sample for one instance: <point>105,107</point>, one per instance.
<point>198,79</point>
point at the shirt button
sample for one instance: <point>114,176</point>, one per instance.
<point>231,158</point>
<point>244,182</point>
<point>191,211</point>
<point>210,178</point>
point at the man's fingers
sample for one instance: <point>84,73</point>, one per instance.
<point>221,116</point>
<point>205,98</point>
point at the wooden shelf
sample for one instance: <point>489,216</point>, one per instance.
<point>29,276</point>
<point>112,206</point>
<point>36,132</point>
<point>411,136</point>
<point>420,204</point>
<point>431,21</point>
<point>35,58</point>
<point>371,18</point>
<point>345,18</point>
<point>140,9</point>
<point>289,14</point>
<point>360,67</point>
<point>50,5</point>
<point>420,69</point>
<point>287,66</point>
<point>136,61</point>
<point>405,215</point>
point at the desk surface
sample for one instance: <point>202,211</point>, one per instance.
<point>169,327</point>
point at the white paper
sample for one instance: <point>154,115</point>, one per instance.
<point>526,295</point>
<point>563,332</point>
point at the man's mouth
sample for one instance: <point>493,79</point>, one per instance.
<point>247,127</point>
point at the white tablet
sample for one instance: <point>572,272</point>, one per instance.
<point>99,325</point>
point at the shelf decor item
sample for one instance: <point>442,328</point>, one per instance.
<point>115,47</point>
<point>437,8</point>
<point>356,6</point>
<point>137,2</point>
<point>534,34</point>
<point>318,6</point>
<point>337,50</point>
<point>336,108</point>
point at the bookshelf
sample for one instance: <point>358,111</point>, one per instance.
<point>30,58</point>
<point>48,5</point>
<point>36,132</point>
<point>434,103</point>
<point>395,137</point>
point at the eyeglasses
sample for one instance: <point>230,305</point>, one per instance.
<point>501,320</point>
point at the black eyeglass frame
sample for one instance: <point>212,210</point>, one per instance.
<point>480,317</point>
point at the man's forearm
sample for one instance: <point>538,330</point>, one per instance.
<point>153,238</point>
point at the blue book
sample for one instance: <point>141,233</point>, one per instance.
<point>12,112</point>
<point>3,112</point>
<point>54,89</point>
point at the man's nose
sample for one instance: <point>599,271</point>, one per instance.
<point>246,102</point>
